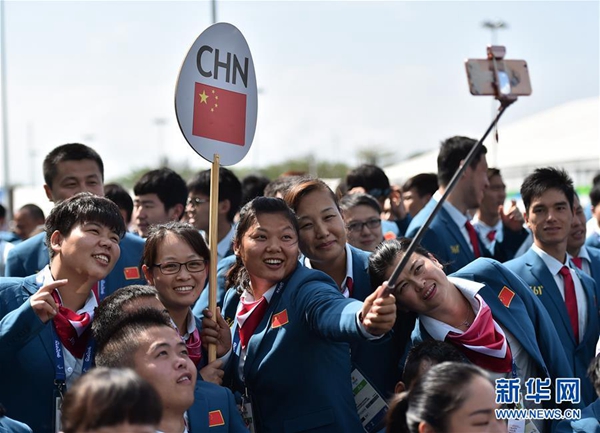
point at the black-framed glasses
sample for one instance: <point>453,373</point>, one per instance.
<point>196,201</point>
<point>171,268</point>
<point>357,226</point>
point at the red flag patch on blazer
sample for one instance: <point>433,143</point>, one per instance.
<point>131,273</point>
<point>279,319</point>
<point>506,296</point>
<point>215,418</point>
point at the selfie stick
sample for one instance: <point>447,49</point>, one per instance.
<point>494,53</point>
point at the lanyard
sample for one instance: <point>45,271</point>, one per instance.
<point>60,376</point>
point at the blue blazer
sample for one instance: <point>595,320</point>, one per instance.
<point>202,302</point>
<point>531,268</point>
<point>444,239</point>
<point>594,264</point>
<point>211,398</point>
<point>380,361</point>
<point>26,357</point>
<point>298,372</point>
<point>31,255</point>
<point>593,241</point>
<point>524,317</point>
<point>588,423</point>
<point>8,425</point>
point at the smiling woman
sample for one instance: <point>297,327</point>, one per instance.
<point>175,261</point>
<point>483,309</point>
<point>288,318</point>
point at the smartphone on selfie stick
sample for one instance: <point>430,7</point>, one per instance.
<point>506,80</point>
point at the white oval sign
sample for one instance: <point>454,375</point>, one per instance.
<point>216,95</point>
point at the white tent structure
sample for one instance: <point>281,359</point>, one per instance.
<point>566,136</point>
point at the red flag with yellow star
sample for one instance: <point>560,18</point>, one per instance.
<point>219,114</point>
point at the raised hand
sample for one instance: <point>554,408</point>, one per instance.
<point>513,219</point>
<point>42,303</point>
<point>379,311</point>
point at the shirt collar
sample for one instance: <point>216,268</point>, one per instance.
<point>457,216</point>
<point>553,265</point>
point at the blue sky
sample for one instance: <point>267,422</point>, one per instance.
<point>334,77</point>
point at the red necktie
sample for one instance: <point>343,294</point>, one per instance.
<point>571,300</point>
<point>350,286</point>
<point>491,235</point>
<point>73,329</point>
<point>193,345</point>
<point>577,261</point>
<point>474,239</point>
<point>249,317</point>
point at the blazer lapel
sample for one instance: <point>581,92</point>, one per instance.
<point>588,287</point>
<point>506,316</point>
<point>454,230</point>
<point>551,292</point>
<point>198,413</point>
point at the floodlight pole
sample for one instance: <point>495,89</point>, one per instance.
<point>3,91</point>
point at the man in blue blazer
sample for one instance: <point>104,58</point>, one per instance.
<point>450,236</point>
<point>146,342</point>
<point>569,296</point>
<point>45,318</point>
<point>69,169</point>
<point>583,256</point>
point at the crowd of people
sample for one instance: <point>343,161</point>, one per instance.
<point>104,320</point>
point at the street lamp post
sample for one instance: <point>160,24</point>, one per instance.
<point>160,122</point>
<point>494,26</point>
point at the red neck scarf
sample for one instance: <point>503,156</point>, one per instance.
<point>249,316</point>
<point>484,342</point>
<point>73,329</point>
<point>194,346</point>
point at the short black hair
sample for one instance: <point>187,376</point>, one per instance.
<point>69,152</point>
<point>543,179</point>
<point>166,184</point>
<point>230,188</point>
<point>424,183</point>
<point>119,348</point>
<point>595,195</point>
<point>83,207</point>
<point>110,310</point>
<point>429,350</point>
<point>370,177</point>
<point>350,201</point>
<point>107,397</point>
<point>452,152</point>
<point>34,211</point>
<point>253,186</point>
<point>119,195</point>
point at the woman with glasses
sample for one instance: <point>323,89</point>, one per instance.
<point>323,242</point>
<point>361,213</point>
<point>175,261</point>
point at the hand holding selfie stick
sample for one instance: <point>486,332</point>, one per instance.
<point>506,84</point>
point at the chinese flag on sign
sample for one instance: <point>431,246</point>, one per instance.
<point>219,114</point>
